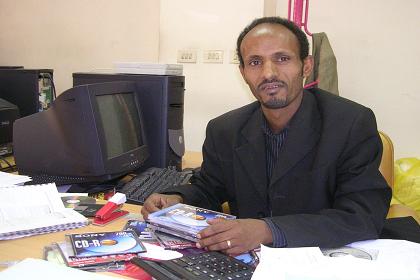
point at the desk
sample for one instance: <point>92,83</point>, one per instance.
<point>32,247</point>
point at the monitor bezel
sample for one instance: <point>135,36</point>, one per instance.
<point>131,159</point>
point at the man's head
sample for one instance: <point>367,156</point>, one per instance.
<point>274,60</point>
<point>300,35</point>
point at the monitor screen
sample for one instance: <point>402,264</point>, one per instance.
<point>91,133</point>
<point>120,123</point>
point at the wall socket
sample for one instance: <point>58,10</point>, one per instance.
<point>187,56</point>
<point>213,56</point>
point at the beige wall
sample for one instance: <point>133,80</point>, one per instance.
<point>375,42</point>
<point>211,89</point>
<point>377,45</point>
<point>77,35</point>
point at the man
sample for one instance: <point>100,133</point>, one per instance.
<point>298,167</point>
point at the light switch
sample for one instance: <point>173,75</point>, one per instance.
<point>187,56</point>
<point>213,56</point>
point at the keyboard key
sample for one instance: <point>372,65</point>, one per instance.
<point>153,180</point>
<point>197,270</point>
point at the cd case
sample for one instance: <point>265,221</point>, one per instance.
<point>185,220</point>
<point>88,210</point>
<point>143,232</point>
<point>86,263</point>
<point>106,243</point>
<point>171,242</point>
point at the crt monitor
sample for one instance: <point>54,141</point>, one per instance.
<point>91,133</point>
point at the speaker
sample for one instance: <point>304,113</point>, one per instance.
<point>161,100</point>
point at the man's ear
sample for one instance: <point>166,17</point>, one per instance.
<point>308,65</point>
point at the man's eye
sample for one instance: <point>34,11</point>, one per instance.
<point>254,62</point>
<point>283,58</point>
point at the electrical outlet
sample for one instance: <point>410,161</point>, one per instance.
<point>213,56</point>
<point>234,59</point>
<point>187,56</point>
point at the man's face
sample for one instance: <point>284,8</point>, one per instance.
<point>272,67</point>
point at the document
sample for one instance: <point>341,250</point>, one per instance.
<point>36,269</point>
<point>7,179</point>
<point>396,259</point>
<point>34,209</point>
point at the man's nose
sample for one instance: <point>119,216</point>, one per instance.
<point>269,70</point>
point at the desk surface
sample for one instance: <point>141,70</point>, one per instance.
<point>32,247</point>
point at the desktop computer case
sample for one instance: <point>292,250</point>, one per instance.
<point>162,105</point>
<point>21,87</point>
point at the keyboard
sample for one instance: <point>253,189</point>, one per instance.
<point>153,180</point>
<point>207,265</point>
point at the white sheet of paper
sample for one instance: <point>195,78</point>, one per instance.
<point>37,269</point>
<point>397,259</point>
<point>156,252</point>
<point>7,179</point>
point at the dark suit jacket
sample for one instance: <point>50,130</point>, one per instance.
<point>326,189</point>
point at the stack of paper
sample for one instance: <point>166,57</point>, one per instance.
<point>7,179</point>
<point>148,68</point>
<point>36,269</point>
<point>32,210</point>
<point>396,259</point>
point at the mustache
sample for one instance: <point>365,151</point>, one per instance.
<point>271,81</point>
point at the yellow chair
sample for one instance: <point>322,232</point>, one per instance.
<point>387,169</point>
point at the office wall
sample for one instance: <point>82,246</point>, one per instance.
<point>77,35</point>
<point>377,47</point>
<point>375,42</point>
<point>211,89</point>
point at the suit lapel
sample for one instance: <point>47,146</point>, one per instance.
<point>302,135</point>
<point>251,154</point>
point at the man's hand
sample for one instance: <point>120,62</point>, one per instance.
<point>234,237</point>
<point>158,201</point>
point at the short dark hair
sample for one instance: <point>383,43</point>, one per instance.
<point>300,35</point>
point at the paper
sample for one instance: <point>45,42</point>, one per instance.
<point>155,252</point>
<point>396,259</point>
<point>36,269</point>
<point>35,209</point>
<point>7,179</point>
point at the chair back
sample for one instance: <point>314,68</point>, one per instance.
<point>387,162</point>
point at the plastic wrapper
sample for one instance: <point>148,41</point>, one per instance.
<point>407,183</point>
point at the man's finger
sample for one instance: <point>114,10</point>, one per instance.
<point>216,226</point>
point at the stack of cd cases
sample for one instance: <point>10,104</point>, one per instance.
<point>184,220</point>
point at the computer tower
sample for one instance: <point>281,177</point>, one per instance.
<point>161,100</point>
<point>31,90</point>
<point>8,114</point>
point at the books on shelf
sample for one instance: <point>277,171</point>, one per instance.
<point>34,209</point>
<point>184,220</point>
<point>105,243</point>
